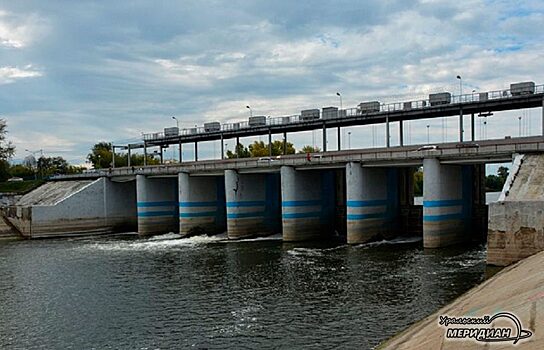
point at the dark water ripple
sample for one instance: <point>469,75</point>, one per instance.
<point>122,292</point>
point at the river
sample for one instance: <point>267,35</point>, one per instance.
<point>126,292</point>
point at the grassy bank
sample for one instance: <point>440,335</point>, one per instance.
<point>19,187</point>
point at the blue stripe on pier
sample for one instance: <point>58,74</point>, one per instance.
<point>306,203</point>
<point>197,204</point>
<point>198,215</point>
<point>443,203</point>
<point>157,213</point>
<point>240,204</point>
<point>313,214</point>
<point>155,204</point>
<point>442,217</point>
<point>365,216</point>
<point>369,203</point>
<point>253,214</point>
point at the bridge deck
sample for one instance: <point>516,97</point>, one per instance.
<point>489,151</point>
<point>355,118</point>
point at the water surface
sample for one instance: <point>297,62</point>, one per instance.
<point>124,292</point>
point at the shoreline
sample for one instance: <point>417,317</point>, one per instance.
<point>518,288</point>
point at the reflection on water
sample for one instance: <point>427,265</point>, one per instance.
<point>204,292</point>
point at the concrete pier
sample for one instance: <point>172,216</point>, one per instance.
<point>516,220</point>
<point>447,203</point>
<point>253,204</point>
<point>201,204</point>
<point>157,203</point>
<point>308,203</point>
<point>372,202</point>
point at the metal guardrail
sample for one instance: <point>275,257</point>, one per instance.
<point>349,112</point>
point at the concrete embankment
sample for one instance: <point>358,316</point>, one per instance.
<point>74,207</point>
<point>518,289</point>
<point>516,220</point>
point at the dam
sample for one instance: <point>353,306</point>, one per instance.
<point>357,195</point>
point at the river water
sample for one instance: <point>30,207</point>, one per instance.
<point>125,292</point>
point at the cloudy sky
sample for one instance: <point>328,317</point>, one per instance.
<point>76,72</point>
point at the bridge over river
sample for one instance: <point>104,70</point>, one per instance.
<point>356,195</point>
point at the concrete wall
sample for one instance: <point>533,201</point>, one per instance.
<point>201,204</point>
<point>100,206</point>
<point>308,199</point>
<point>253,204</point>
<point>157,203</point>
<point>516,221</point>
<point>372,203</point>
<point>447,203</point>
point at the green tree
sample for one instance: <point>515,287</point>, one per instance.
<point>418,182</point>
<point>310,149</point>
<point>239,152</point>
<point>6,151</point>
<point>101,155</point>
<point>48,166</point>
<point>6,147</point>
<point>22,171</point>
<point>258,149</point>
<point>502,172</point>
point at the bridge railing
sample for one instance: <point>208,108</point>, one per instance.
<point>349,112</point>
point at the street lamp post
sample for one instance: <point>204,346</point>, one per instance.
<point>338,115</point>
<point>349,139</point>
<point>460,87</point>
<point>177,122</point>
<point>250,111</point>
<point>519,125</point>
<point>460,108</point>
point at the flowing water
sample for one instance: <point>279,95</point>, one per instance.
<point>125,292</point>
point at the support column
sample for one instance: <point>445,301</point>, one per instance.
<point>308,198</point>
<point>324,138</point>
<point>338,138</point>
<point>222,147</point>
<point>284,143</point>
<point>401,133</point>
<point>542,116</point>
<point>180,150</point>
<point>472,131</point>
<point>447,203</point>
<point>236,148</point>
<point>269,142</point>
<point>253,204</point>
<point>157,206</point>
<point>372,203</point>
<point>161,155</point>
<point>201,205</point>
<point>461,124</point>
<point>145,153</point>
<point>387,132</point>
<point>128,155</point>
<point>113,156</point>
<point>196,151</point>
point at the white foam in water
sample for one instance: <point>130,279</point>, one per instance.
<point>166,241</point>
<point>276,237</point>
<point>399,240</point>
<point>305,252</point>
